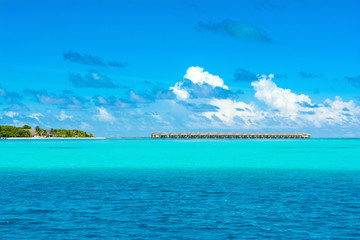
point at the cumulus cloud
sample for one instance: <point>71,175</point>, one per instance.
<point>278,98</point>
<point>11,114</point>
<point>104,116</point>
<point>232,112</point>
<point>197,77</point>
<point>244,31</point>
<point>200,100</point>
<point>92,79</point>
<point>299,107</point>
<point>277,107</point>
<point>88,59</point>
<point>179,91</point>
<point>63,116</point>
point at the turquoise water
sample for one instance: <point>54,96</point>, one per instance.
<point>180,189</point>
<point>337,154</point>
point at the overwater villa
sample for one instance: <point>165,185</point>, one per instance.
<point>232,135</point>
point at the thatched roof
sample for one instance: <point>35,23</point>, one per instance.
<point>231,135</point>
<point>32,132</point>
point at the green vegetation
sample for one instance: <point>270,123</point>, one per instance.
<point>26,131</point>
<point>68,133</point>
<point>11,131</point>
<point>38,130</point>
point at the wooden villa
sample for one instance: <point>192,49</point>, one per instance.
<point>232,135</point>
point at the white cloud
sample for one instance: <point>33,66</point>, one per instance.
<point>95,76</point>
<point>198,76</point>
<point>36,116</point>
<point>63,116</point>
<point>299,107</point>
<point>278,98</point>
<point>283,108</point>
<point>335,112</point>
<point>104,116</point>
<point>179,92</point>
<point>102,100</point>
<point>230,110</point>
<point>11,114</point>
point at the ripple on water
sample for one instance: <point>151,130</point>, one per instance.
<point>160,204</point>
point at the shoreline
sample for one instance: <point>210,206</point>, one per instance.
<point>45,138</point>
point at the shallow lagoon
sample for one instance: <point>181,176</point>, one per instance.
<point>180,189</point>
<point>322,154</point>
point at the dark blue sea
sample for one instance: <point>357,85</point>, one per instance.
<point>52,189</point>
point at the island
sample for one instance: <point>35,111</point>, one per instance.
<point>27,132</point>
<point>232,135</point>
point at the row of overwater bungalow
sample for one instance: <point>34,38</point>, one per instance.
<point>232,135</point>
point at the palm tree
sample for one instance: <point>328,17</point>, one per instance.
<point>52,132</point>
<point>38,130</point>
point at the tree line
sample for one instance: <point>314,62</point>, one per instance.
<point>11,131</point>
<point>65,133</point>
<point>24,131</point>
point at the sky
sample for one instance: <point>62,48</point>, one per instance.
<point>130,68</point>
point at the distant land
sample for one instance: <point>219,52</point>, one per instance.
<point>27,132</point>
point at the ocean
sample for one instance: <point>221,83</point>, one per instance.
<point>180,189</point>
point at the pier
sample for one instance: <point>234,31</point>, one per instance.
<point>231,135</point>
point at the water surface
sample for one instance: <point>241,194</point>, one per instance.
<point>165,189</point>
<point>338,154</point>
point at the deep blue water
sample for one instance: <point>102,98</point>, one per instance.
<point>195,201</point>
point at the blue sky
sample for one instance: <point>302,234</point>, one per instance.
<point>129,68</point>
